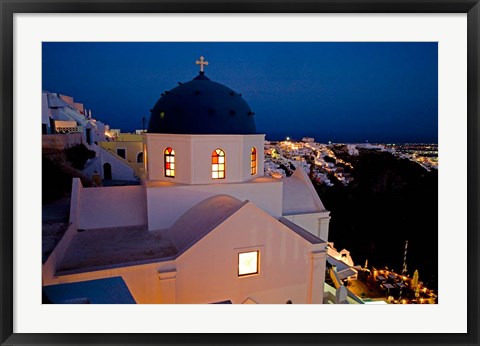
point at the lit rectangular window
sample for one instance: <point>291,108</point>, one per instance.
<point>248,263</point>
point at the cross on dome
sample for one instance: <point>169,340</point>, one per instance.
<point>202,63</point>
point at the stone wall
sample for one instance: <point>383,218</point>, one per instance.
<point>61,141</point>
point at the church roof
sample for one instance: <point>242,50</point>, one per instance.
<point>199,220</point>
<point>201,106</point>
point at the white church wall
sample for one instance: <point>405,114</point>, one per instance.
<point>202,149</point>
<point>315,223</point>
<point>250,141</point>
<point>267,195</point>
<point>156,145</point>
<point>193,157</point>
<point>167,204</point>
<point>118,206</point>
<point>143,283</point>
<point>207,272</point>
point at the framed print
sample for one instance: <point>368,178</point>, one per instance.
<point>197,157</point>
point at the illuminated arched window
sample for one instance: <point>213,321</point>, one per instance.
<point>218,164</point>
<point>169,155</point>
<point>253,161</point>
<point>145,162</point>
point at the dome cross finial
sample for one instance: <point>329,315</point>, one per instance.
<point>202,63</point>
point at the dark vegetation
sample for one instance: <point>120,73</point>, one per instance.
<point>58,168</point>
<point>329,159</point>
<point>389,201</point>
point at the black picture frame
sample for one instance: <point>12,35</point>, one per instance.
<point>10,7</point>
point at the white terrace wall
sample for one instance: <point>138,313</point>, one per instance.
<point>50,266</point>
<point>119,206</point>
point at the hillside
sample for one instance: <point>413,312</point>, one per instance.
<point>58,169</point>
<point>389,200</point>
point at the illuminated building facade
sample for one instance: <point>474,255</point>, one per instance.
<point>205,225</point>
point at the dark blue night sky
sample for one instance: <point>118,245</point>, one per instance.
<point>343,92</point>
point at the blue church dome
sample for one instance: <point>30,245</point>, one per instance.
<point>201,106</point>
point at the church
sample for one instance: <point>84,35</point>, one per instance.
<point>205,225</point>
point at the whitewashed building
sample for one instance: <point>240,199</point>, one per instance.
<point>205,225</point>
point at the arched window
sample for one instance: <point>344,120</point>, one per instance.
<point>253,161</point>
<point>145,158</point>
<point>140,157</point>
<point>169,155</point>
<point>218,164</point>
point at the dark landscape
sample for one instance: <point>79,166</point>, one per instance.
<point>390,200</point>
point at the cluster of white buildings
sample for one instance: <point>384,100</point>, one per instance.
<point>302,155</point>
<point>62,115</point>
<point>66,123</point>
<point>291,154</point>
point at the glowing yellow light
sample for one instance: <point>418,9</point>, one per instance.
<point>248,263</point>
